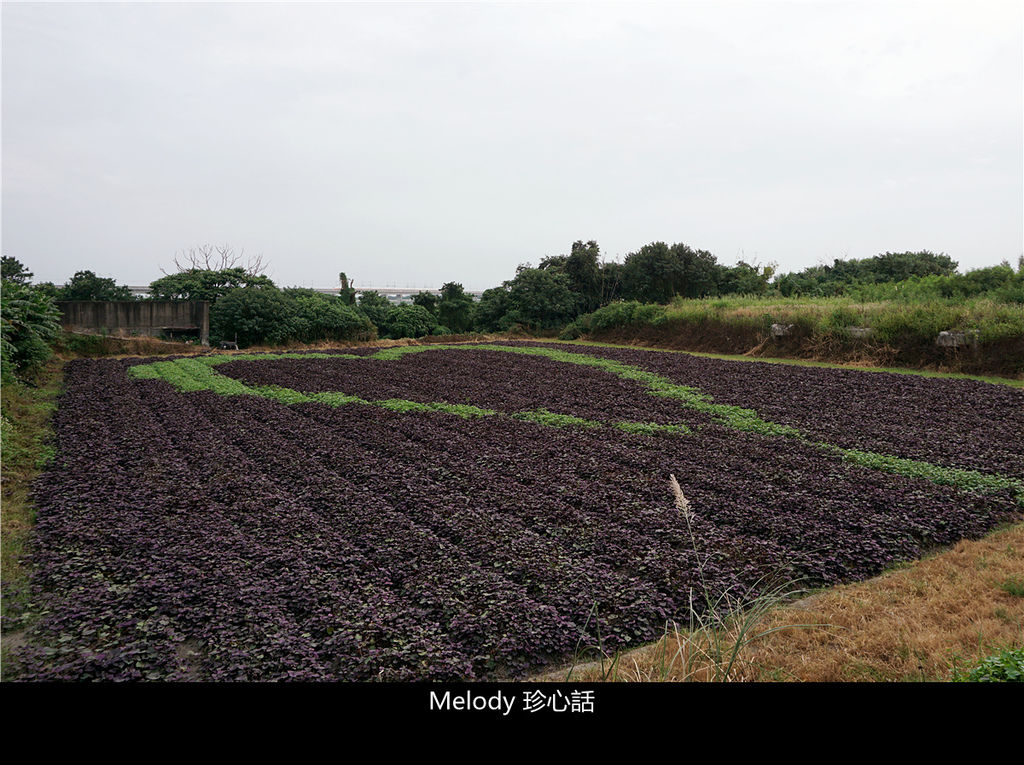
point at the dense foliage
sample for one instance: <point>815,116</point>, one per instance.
<point>29,323</point>
<point>844,274</point>
<point>269,316</point>
<point>999,283</point>
<point>207,536</point>
<point>575,292</point>
<point>407,321</point>
<point>374,306</point>
<point>454,309</point>
<point>205,284</point>
<point>13,270</point>
<point>85,285</point>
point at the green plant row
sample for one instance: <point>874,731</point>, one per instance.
<point>544,417</point>
<point>734,417</point>
<point>190,375</point>
<point>963,479</point>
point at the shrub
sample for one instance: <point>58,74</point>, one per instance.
<point>325,317</point>
<point>29,322</point>
<point>269,316</point>
<point>255,315</point>
<point>1005,666</point>
<point>407,321</point>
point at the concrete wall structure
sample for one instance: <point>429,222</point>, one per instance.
<point>142,317</point>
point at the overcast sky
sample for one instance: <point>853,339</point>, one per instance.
<point>414,144</point>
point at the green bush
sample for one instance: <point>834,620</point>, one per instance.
<point>1005,666</point>
<point>29,323</point>
<point>254,316</point>
<point>572,331</point>
<point>85,285</point>
<point>269,316</point>
<point>326,317</point>
<point>374,307</point>
<point>407,321</point>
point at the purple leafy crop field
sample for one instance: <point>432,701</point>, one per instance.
<point>952,422</point>
<point>219,521</point>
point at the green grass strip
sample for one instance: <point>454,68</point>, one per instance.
<point>651,428</point>
<point>283,395</point>
<point>460,410</point>
<point>197,374</point>
<point>734,417</point>
<point>553,419</point>
<point>969,480</point>
<point>332,398</point>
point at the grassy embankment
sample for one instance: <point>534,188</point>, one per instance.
<point>26,451</point>
<point>902,333</point>
<point>1013,382</point>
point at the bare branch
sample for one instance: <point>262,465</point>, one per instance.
<point>218,258</point>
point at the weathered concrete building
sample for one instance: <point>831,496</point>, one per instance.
<point>157,318</point>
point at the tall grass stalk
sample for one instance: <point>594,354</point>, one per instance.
<point>710,646</point>
<point>717,633</point>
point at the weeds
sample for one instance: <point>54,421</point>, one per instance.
<point>710,647</point>
<point>553,419</point>
<point>1005,666</point>
<point>1014,586</point>
<point>26,443</point>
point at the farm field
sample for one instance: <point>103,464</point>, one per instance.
<point>476,512</point>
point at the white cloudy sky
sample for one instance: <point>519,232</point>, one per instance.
<point>413,144</point>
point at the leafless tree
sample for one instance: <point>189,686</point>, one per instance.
<point>217,258</point>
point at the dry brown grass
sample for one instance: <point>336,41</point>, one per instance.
<point>914,623</point>
<point>134,347</point>
<point>328,345</point>
<point>83,344</point>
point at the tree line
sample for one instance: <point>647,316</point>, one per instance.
<point>248,307</point>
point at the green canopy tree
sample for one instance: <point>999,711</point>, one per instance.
<point>254,315</point>
<point>652,274</point>
<point>205,284</point>
<point>374,306</point>
<point>455,308</point>
<point>85,285</point>
<point>583,270</point>
<point>426,300</point>
<point>656,273</point>
<point>12,270</point>
<point>347,295</point>
<point>491,310</point>
<point>325,317</point>
<point>408,320</point>
<point>539,298</point>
